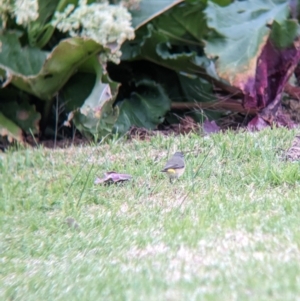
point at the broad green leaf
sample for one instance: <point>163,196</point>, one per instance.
<point>22,114</point>
<point>97,116</point>
<point>176,55</point>
<point>184,23</point>
<point>149,9</point>
<point>219,2</point>
<point>239,33</point>
<point>167,24</point>
<point>47,9</point>
<point>132,49</point>
<point>9,129</point>
<point>64,60</point>
<point>196,89</point>
<point>174,40</point>
<point>283,35</point>
<point>145,108</point>
<point>16,106</point>
<point>17,60</point>
<point>77,90</point>
<point>176,30</point>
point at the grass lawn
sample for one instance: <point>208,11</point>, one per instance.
<point>226,231</point>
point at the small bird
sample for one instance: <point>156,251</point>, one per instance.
<point>174,168</point>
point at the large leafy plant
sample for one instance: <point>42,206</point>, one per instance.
<point>248,50</point>
<point>43,46</point>
<point>212,54</point>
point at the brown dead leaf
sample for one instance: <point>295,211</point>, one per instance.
<point>112,177</point>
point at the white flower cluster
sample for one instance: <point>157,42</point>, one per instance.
<point>104,23</point>
<point>25,11</point>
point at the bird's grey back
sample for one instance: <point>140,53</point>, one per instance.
<point>179,154</point>
<point>177,161</point>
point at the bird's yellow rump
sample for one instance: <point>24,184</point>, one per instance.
<point>175,167</point>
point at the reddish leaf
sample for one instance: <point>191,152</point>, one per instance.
<point>257,48</point>
<point>266,118</point>
<point>275,67</point>
<point>257,124</point>
<point>210,127</point>
<point>285,121</point>
<point>293,8</point>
